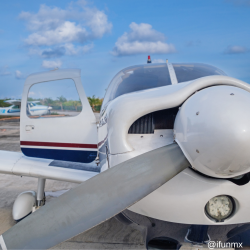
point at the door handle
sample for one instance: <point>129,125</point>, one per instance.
<point>29,127</point>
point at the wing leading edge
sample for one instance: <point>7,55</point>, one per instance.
<point>14,163</point>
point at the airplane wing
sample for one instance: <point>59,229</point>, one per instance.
<point>14,102</point>
<point>18,102</point>
<point>95,200</point>
<point>33,101</point>
<point>14,163</point>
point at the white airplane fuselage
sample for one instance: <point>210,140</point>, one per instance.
<point>182,199</point>
<point>9,111</point>
<point>34,109</point>
<point>38,109</point>
<point>134,121</point>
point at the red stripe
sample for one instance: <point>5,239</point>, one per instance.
<point>57,144</point>
<point>101,142</point>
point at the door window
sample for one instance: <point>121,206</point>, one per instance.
<point>53,99</point>
<point>16,107</point>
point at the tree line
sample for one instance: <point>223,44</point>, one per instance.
<point>61,103</point>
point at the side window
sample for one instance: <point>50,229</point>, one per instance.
<point>16,107</point>
<point>53,99</point>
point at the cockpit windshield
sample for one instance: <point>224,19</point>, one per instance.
<point>142,77</point>
<point>137,78</point>
<point>31,104</point>
<point>190,71</point>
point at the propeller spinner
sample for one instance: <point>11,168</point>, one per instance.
<point>213,130</point>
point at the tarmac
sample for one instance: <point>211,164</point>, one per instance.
<point>111,234</point>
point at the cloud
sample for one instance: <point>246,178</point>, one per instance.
<point>66,49</point>
<point>52,26</point>
<point>51,64</point>
<point>158,61</point>
<point>66,32</point>
<point>59,51</point>
<point>75,50</point>
<point>19,74</point>
<point>142,38</point>
<point>4,71</point>
<point>50,53</point>
<point>236,50</point>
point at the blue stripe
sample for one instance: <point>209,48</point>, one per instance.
<point>62,155</point>
<point>13,111</point>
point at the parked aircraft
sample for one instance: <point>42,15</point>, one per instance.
<point>33,108</point>
<point>172,145</point>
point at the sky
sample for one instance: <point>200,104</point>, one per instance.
<point>101,37</point>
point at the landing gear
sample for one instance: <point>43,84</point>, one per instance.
<point>40,199</point>
<point>197,235</point>
<point>29,201</point>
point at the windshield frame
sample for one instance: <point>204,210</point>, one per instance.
<point>108,95</point>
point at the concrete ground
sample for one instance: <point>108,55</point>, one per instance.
<point>108,235</point>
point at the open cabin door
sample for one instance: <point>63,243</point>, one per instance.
<point>59,124</point>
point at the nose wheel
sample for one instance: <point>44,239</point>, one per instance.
<point>197,234</point>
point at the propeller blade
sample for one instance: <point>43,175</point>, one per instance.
<point>96,200</point>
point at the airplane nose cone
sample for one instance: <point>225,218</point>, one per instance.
<point>213,130</point>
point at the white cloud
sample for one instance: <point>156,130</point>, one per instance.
<point>19,74</point>
<point>66,32</point>
<point>158,61</point>
<point>51,64</point>
<point>236,50</point>
<point>4,71</point>
<point>52,26</point>
<point>142,38</point>
<point>97,21</point>
<point>70,49</point>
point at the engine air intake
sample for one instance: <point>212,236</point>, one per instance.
<point>162,119</point>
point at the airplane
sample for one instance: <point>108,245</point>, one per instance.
<point>33,108</point>
<point>172,146</point>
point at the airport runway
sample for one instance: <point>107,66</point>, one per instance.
<point>108,235</point>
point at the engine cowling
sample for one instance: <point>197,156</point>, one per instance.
<point>213,129</point>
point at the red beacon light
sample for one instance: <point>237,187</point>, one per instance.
<point>149,59</point>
